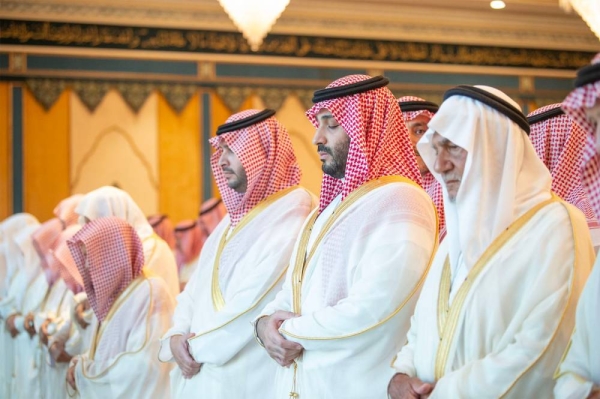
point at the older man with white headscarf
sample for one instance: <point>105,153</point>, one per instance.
<point>498,305</point>
<point>579,374</point>
<point>111,201</point>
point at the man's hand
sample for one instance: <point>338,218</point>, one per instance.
<point>79,311</point>
<point>44,332</point>
<point>595,394</point>
<point>404,387</point>
<point>29,326</point>
<point>57,351</point>
<point>10,325</point>
<point>181,352</point>
<point>71,374</point>
<point>280,349</point>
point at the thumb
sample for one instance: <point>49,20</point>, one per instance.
<point>283,315</point>
<point>423,388</point>
<point>190,335</point>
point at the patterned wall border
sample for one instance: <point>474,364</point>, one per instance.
<point>13,32</point>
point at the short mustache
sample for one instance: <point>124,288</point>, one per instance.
<point>451,177</point>
<point>322,148</point>
<point>225,169</point>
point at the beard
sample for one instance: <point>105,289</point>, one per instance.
<point>336,167</point>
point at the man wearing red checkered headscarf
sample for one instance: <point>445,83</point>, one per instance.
<point>359,263</point>
<point>417,112</point>
<point>559,142</point>
<point>242,262</point>
<point>189,237</point>
<point>579,373</point>
<point>53,323</point>
<point>133,309</point>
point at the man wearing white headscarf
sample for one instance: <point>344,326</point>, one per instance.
<point>11,294</point>
<point>111,201</point>
<point>498,305</point>
<point>579,374</point>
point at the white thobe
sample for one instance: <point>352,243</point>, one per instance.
<point>56,308</point>
<point>579,372</point>
<point>160,261</point>
<point>122,363</point>
<point>28,354</point>
<point>251,268</point>
<point>507,326</point>
<point>358,294</point>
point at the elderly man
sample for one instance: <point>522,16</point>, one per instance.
<point>362,256</point>
<point>579,374</point>
<point>241,265</point>
<point>417,113</point>
<point>498,305</point>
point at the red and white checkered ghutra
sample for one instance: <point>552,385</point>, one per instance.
<point>266,153</point>
<point>44,240</point>
<point>559,142</point>
<point>379,141</point>
<point>430,184</point>
<point>575,105</point>
<point>109,256</point>
<point>64,260</point>
<point>65,210</point>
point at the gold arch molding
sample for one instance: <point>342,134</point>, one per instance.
<point>114,129</point>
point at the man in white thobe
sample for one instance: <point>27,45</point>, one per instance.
<point>133,309</point>
<point>361,259</point>
<point>498,305</point>
<point>241,265</point>
<point>11,295</point>
<point>579,374</point>
<point>111,201</point>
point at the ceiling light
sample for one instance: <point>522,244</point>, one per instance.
<point>497,4</point>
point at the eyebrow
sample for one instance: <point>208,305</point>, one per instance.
<point>325,116</point>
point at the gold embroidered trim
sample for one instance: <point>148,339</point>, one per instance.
<point>217,294</point>
<point>150,306</point>
<point>300,267</point>
<point>448,320</point>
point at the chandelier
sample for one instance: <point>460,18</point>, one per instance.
<point>589,10</point>
<point>254,18</point>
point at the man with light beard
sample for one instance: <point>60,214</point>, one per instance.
<point>358,265</point>
<point>579,373</point>
<point>241,265</point>
<point>417,113</point>
<point>499,302</point>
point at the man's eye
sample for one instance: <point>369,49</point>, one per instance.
<point>420,132</point>
<point>333,126</point>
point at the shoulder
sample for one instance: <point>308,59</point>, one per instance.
<point>399,197</point>
<point>300,196</point>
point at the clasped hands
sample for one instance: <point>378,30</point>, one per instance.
<point>280,349</point>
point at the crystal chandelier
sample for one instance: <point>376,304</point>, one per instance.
<point>254,18</point>
<point>589,10</point>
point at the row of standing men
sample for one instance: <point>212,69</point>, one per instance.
<point>450,266</point>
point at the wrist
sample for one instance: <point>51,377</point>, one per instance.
<point>257,332</point>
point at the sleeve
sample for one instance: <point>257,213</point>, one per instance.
<point>404,361</point>
<point>230,329</point>
<point>541,337</point>
<point>11,304</point>
<point>389,257</point>
<point>574,378</point>
<point>181,317</point>
<point>118,375</point>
